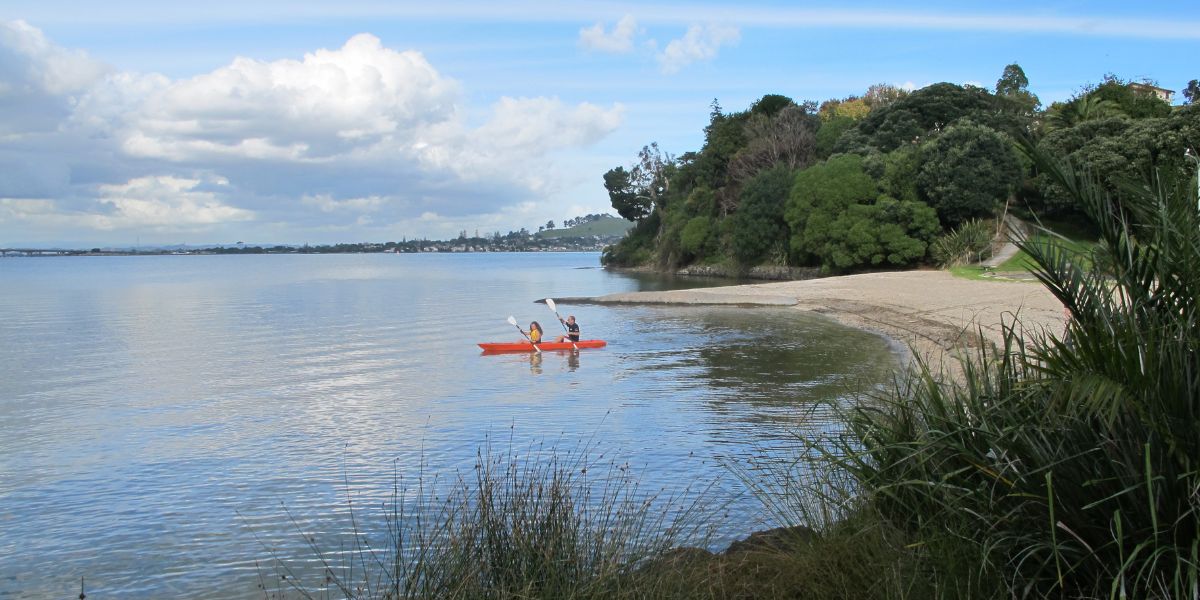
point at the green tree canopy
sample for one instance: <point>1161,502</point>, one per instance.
<point>819,194</point>
<point>888,233</point>
<point>1192,91</point>
<point>921,114</point>
<point>1012,80</point>
<point>1116,149</point>
<point>1134,103</point>
<point>770,104</point>
<point>968,170</point>
<point>624,197</point>
<point>839,221</point>
<point>758,226</point>
<point>1013,93</point>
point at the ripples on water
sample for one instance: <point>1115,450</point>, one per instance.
<point>157,413</point>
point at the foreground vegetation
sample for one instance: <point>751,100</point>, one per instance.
<point>1062,466</point>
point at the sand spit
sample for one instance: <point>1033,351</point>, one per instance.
<point>930,312</point>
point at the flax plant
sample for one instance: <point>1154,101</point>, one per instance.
<point>1063,464</point>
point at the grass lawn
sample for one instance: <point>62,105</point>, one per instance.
<point>1079,241</point>
<point>1021,262</point>
<point>970,272</point>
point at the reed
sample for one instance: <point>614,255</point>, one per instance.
<point>542,523</point>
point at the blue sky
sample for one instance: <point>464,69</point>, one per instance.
<point>295,122</point>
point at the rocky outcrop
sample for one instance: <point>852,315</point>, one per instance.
<point>765,272</point>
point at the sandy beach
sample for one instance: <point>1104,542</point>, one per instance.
<point>933,313</point>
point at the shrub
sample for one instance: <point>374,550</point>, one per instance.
<point>968,243</point>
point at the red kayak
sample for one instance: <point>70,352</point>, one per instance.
<point>527,347</point>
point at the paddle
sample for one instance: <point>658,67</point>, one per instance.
<point>550,303</point>
<point>513,320</point>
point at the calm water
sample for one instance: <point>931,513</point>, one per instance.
<point>158,413</point>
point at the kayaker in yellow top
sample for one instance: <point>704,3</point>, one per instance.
<point>534,333</point>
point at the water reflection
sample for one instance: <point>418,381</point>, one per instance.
<point>561,360</point>
<point>151,407</point>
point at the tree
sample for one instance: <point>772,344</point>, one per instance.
<point>550,224</point>
<point>819,194</point>
<point>1135,104</point>
<point>829,134</point>
<point>880,95</point>
<point>1116,149</point>
<point>967,170</point>
<point>624,197</point>
<point>1086,108</point>
<point>636,192</point>
<point>1013,93</point>
<point>787,138</point>
<point>888,233</point>
<point>1012,80</point>
<point>1192,91</point>
<point>839,220</point>
<point>723,137</point>
<point>696,236</point>
<point>649,176</point>
<point>852,107</point>
<point>922,114</point>
<point>900,168</point>
<point>770,104</point>
<point>758,226</point>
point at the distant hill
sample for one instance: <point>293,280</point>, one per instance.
<point>606,226</point>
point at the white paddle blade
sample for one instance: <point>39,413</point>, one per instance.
<point>550,303</point>
<point>512,320</point>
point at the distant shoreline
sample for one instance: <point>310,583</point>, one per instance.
<point>208,252</point>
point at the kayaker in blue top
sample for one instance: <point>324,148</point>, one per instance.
<point>572,330</point>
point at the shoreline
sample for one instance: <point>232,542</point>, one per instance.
<point>931,314</point>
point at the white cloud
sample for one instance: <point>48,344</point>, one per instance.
<point>303,145</point>
<point>701,42</point>
<point>39,82</point>
<point>533,124</point>
<point>326,203</point>
<point>620,40</point>
<point>49,68</point>
<point>331,102</point>
<point>167,202</point>
<point>162,203</point>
